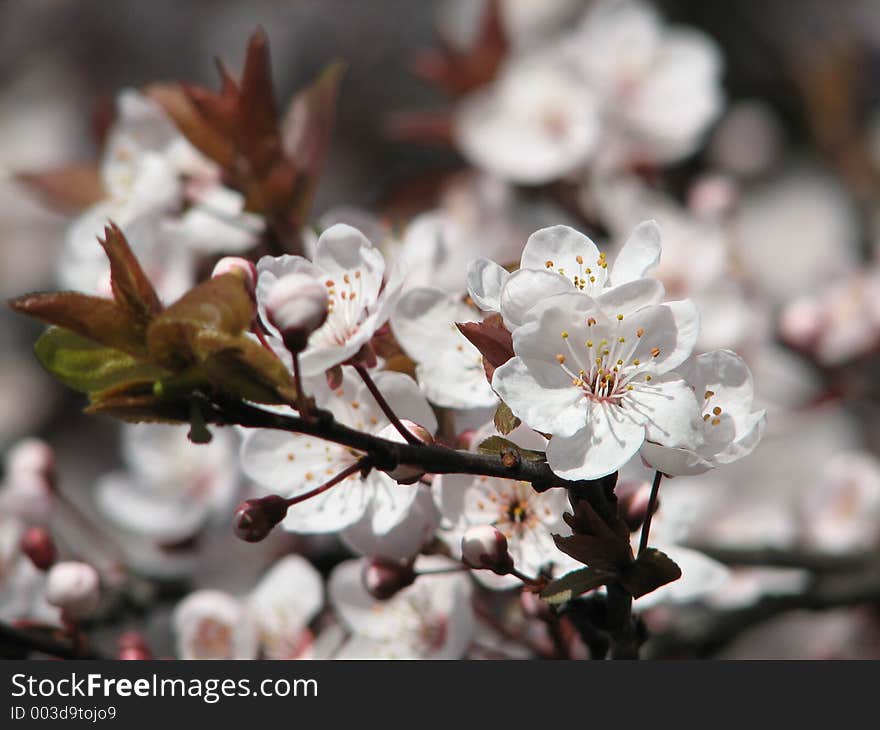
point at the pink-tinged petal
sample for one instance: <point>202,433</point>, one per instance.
<point>485,280</point>
<point>610,439</point>
<point>390,503</point>
<point>404,540</point>
<point>639,254</point>
<point>524,289</point>
<point>424,322</point>
<point>558,410</point>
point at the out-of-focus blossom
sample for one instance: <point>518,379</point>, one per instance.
<point>75,588</point>
<point>282,604</point>
<point>172,488</point>
<point>352,270</point>
<point>600,384</point>
<point>293,464</point>
<point>431,619</point>
<point>210,624</point>
<point>448,367</point>
<point>659,85</point>
<point>748,139</point>
<point>841,512</point>
<point>538,122</point>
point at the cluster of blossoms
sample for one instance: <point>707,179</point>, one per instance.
<point>455,391</point>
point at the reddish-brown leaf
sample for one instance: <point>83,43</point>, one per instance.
<point>492,339</point>
<point>132,290</point>
<point>70,189</point>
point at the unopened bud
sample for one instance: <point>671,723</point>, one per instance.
<point>297,305</point>
<point>255,518</point>
<point>38,545</point>
<point>132,647</point>
<point>31,457</point>
<point>237,265</point>
<point>483,546</point>
<point>403,473</point>
<point>74,588</point>
<point>384,578</point>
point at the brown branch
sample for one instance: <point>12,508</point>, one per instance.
<point>21,641</point>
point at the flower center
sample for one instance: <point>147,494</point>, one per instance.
<point>345,307</point>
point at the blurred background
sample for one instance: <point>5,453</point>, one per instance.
<point>770,221</point>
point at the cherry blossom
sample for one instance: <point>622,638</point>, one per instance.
<point>431,619</point>
<point>560,259</point>
<point>599,384</point>
<point>448,367</point>
<point>211,624</point>
<point>293,464</point>
<point>731,429</point>
<point>360,302</point>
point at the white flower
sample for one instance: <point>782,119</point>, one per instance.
<point>352,270</point>
<point>172,487</point>
<point>841,513</point>
<point>731,429</point>
<point>659,86</point>
<point>296,306</point>
<point>291,464</point>
<point>448,367</point>
<point>74,588</point>
<point>431,619</point>
<point>211,624</point>
<point>536,123</point>
<point>284,601</point>
<point>599,384</point>
<point>560,259</point>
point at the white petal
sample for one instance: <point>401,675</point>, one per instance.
<point>485,279</point>
<point>560,246</point>
<point>670,411</point>
<point>524,289</point>
<point>402,541</point>
<point>342,249</point>
<point>670,328</point>
<point>606,444</point>
<point>630,297</point>
<point>403,395</point>
<point>558,410</point>
<point>639,254</point>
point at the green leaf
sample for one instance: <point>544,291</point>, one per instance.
<point>101,320</point>
<point>220,305</point>
<point>575,584</point>
<point>87,366</point>
<point>505,421</point>
<point>651,570</point>
<point>497,446</point>
<point>132,290</point>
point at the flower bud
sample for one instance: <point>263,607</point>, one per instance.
<point>240,266</point>
<point>31,457</point>
<point>255,518</point>
<point>404,474</point>
<point>297,305</point>
<point>132,647</point>
<point>383,578</point>
<point>38,545</point>
<point>483,546</point>
<point>74,588</point>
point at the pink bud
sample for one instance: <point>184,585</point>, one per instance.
<point>31,457</point>
<point>255,518</point>
<point>74,588</point>
<point>404,474</point>
<point>239,266</point>
<point>483,546</point>
<point>383,578</point>
<point>297,305</point>
<point>37,544</point>
<point>800,323</point>
<point>133,647</point>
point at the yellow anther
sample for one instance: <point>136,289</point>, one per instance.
<point>629,387</point>
<point>357,274</point>
<point>640,332</point>
<point>716,411</point>
<point>564,335</point>
<point>655,352</point>
<point>560,358</point>
<point>620,362</point>
<point>709,394</point>
<point>329,282</point>
<point>591,321</point>
<point>579,259</point>
<point>592,279</point>
<point>716,421</point>
<point>589,343</point>
<point>346,279</point>
<point>598,361</point>
<point>648,378</point>
<point>561,271</point>
<point>548,264</point>
<point>706,417</point>
<point>619,317</point>
<point>637,362</point>
<point>621,339</point>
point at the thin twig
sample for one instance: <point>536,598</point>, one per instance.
<point>384,405</point>
<point>652,505</point>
